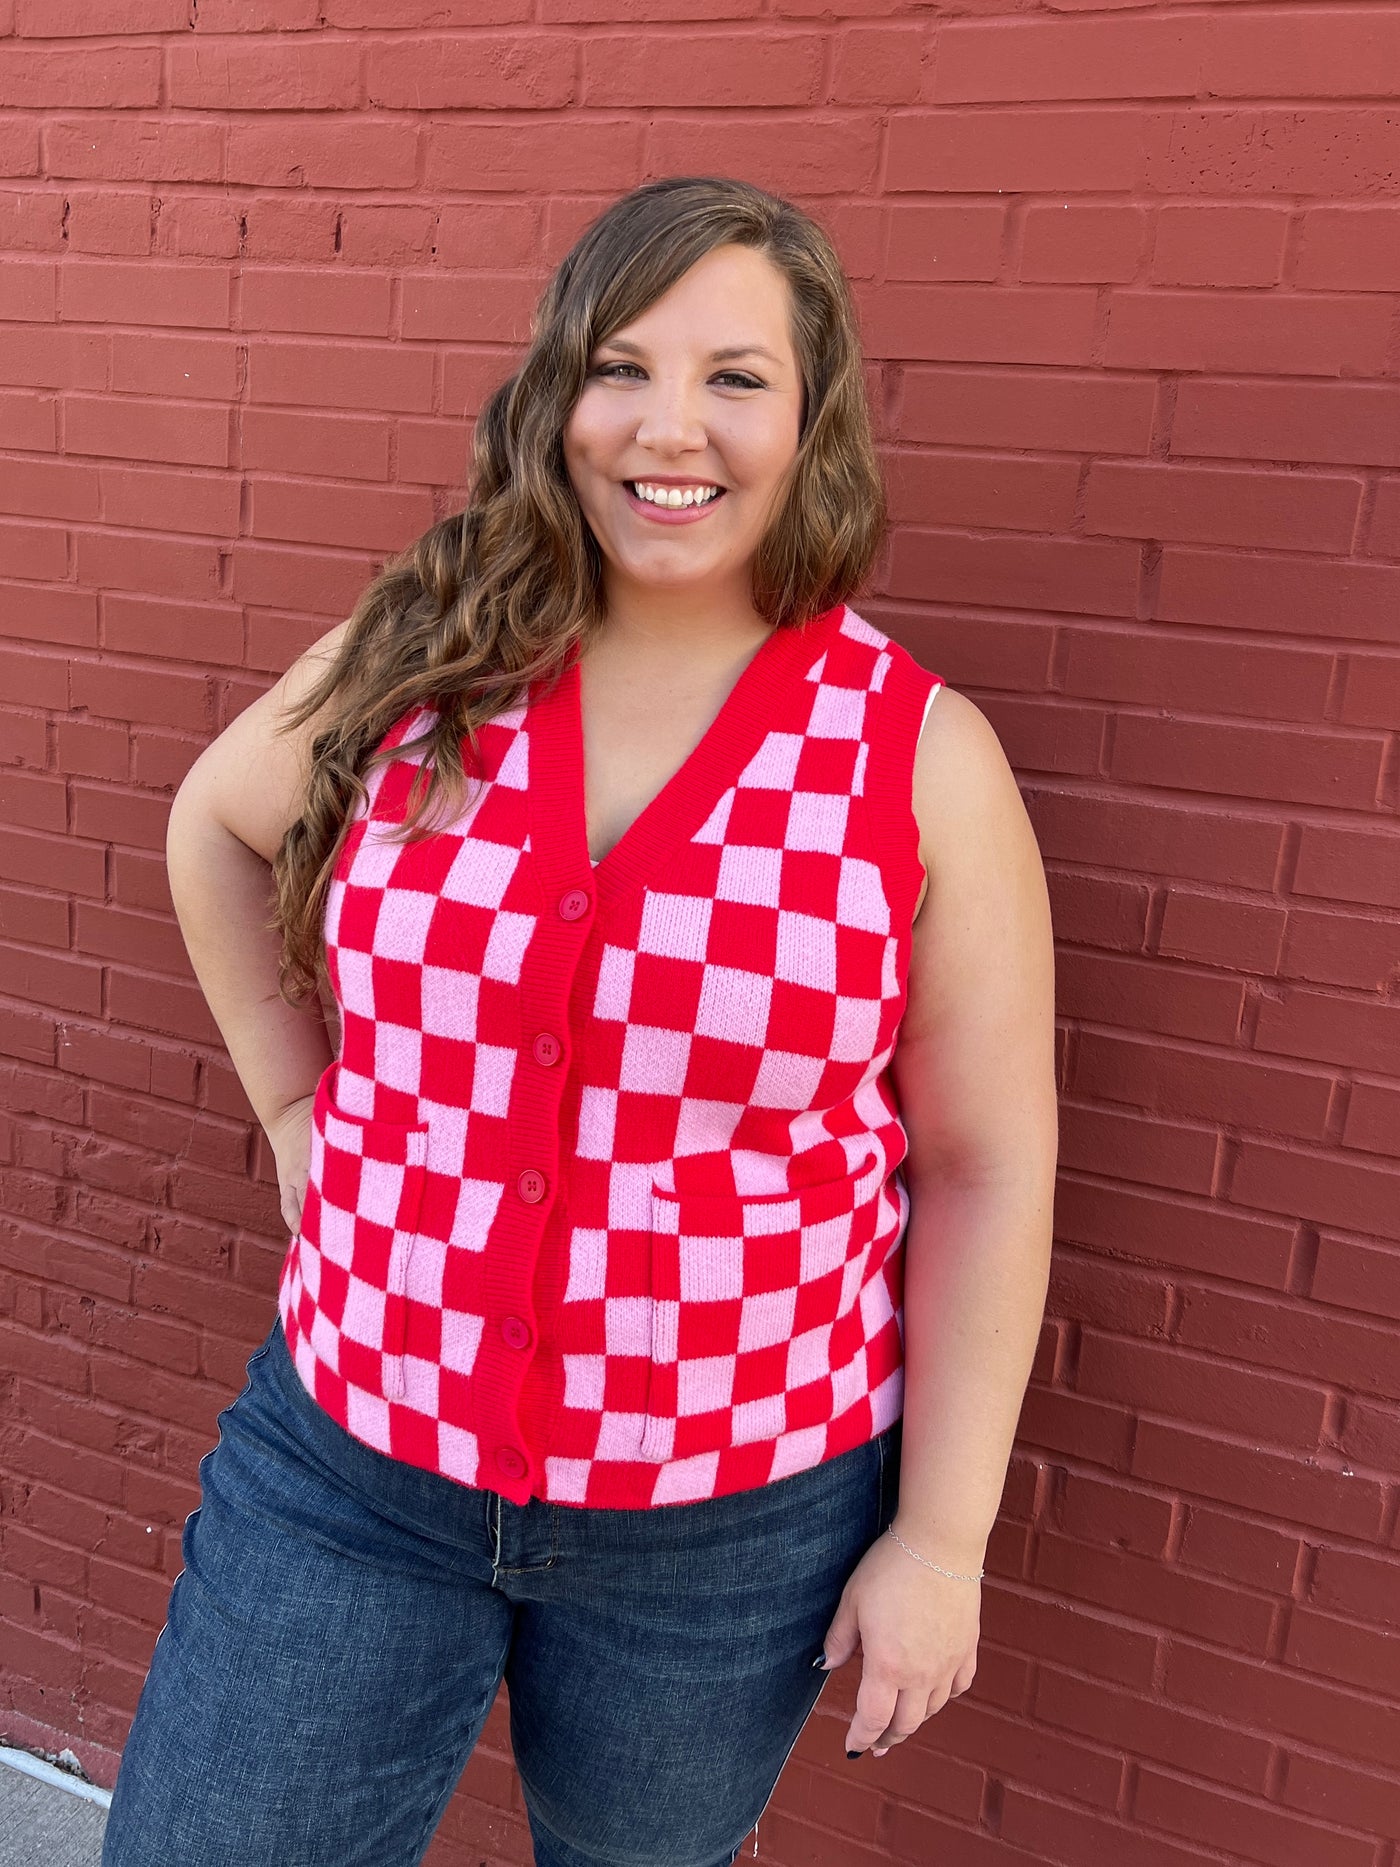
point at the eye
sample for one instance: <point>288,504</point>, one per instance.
<point>737,376</point>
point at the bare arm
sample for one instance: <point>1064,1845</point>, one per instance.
<point>974,1071</point>
<point>226,824</point>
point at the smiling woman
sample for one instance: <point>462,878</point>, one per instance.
<point>606,820</point>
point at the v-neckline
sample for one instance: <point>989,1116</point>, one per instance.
<point>691,793</point>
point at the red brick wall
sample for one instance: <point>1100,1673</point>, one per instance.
<point>1129,284</point>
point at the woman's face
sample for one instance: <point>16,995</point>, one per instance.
<point>663,406</point>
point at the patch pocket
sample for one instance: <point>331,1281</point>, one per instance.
<point>756,1327</point>
<point>364,1194</point>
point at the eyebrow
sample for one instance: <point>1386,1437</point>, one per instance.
<point>716,356</point>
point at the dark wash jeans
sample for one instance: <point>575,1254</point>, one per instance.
<point>343,1620</point>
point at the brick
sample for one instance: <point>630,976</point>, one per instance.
<point>28,421</point>
<point>1146,994</point>
<point>60,78</point>
<point>432,453</point>
<point>1166,1732</point>
<point>112,292</point>
<point>1041,736</point>
<point>993,490</point>
<point>141,695</point>
<point>161,364</point>
<point>1352,1275</point>
<point>31,222</point>
<point>1321,1787</point>
<point>1330,1029</point>
<point>1286,593</point>
<point>1156,838</point>
<point>131,428</point>
<point>1347,423</point>
<point>1015,151</point>
<point>1162,1379</point>
<point>482,308</point>
<point>1280,1701</point>
<point>529,157</point>
<point>282,74</point>
<point>1218,1820</point>
<point>1225,1543</point>
<point>1305,53</point>
<point>48,489</point>
<point>1341,949</point>
<point>357,152</point>
<point>1131,1222</point>
<point>1090,577</point>
<point>1071,244</point>
<point>411,14</point>
<point>879,65</point>
<point>115,223</point>
<point>38,551</point>
<point>1304,150</point>
<point>19,146</point>
<point>81,19</point>
<point>1373,1117</point>
<point>192,227</point>
<point>28,292</point>
<point>1218,245</point>
<point>1249,679</point>
<point>1321,334</point>
<point>1091,910</point>
<point>1383,536</point>
<point>333,513</point>
<point>1353,249</point>
<point>404,236</point>
<point>1027,408</point>
<point>53,359</point>
<point>1109,1513</point>
<point>506,71</point>
<point>1124,1583</point>
<point>1151,1153</point>
<point>111,149</point>
<point>808,156</point>
<point>974,323</point>
<point>283,227</point>
<point>325,446</point>
<point>320,583</point>
<point>341,376</point>
<point>766,69</point>
<point>1349,865</point>
<point>142,561</point>
<point>329,302</point>
<point>1209,505</point>
<point>1233,759</point>
<point>1256,1478</point>
<point>280,16</point>
<point>946,240</point>
<point>207,503</point>
<point>1036,61</point>
<point>1231,1087</point>
<point>1371,687</point>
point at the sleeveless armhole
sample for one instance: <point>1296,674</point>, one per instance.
<point>902,707</point>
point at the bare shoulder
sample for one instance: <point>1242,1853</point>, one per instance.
<point>252,778</point>
<point>966,798</point>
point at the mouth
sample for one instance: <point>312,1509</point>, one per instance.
<point>669,513</point>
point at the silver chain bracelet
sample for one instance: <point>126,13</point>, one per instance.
<point>933,1565</point>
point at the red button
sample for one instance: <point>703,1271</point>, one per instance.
<point>531,1185</point>
<point>511,1462</point>
<point>574,905</point>
<point>547,1048</point>
<point>516,1333</point>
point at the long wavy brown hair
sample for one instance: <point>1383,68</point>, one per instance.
<point>495,597</point>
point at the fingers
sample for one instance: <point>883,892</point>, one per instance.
<point>886,1717</point>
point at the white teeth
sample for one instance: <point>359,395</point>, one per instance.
<point>674,496</point>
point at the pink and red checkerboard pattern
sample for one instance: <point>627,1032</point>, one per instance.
<point>706,1294</point>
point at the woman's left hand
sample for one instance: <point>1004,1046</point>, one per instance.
<point>917,1633</point>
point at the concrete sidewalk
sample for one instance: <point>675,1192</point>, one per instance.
<point>48,1818</point>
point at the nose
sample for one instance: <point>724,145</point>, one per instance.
<point>670,419</point>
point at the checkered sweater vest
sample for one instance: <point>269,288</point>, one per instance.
<point>604,1203</point>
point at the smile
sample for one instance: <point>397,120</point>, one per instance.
<point>672,505</point>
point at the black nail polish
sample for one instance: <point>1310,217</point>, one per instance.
<point>820,1660</point>
<point>852,1753</point>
